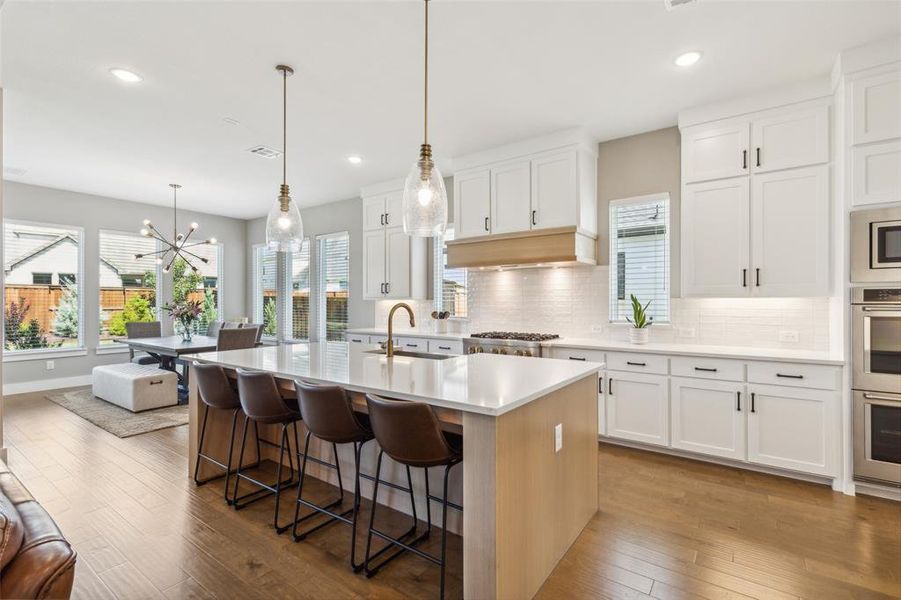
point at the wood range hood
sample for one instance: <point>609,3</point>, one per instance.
<point>559,246</point>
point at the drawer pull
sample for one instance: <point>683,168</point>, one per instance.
<point>582,358</point>
<point>412,345</point>
<point>157,382</point>
<point>610,386</point>
<point>636,364</point>
<point>706,369</point>
<point>753,407</point>
<point>600,385</point>
<point>789,376</point>
<point>444,347</point>
<point>738,401</point>
<point>356,341</point>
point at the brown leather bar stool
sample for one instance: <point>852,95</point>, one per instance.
<point>409,433</point>
<point>263,404</point>
<point>329,416</point>
<point>216,391</point>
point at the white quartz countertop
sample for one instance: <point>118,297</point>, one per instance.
<point>487,384</point>
<point>417,333</point>
<point>736,352</point>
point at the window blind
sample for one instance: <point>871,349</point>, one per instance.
<point>300,292</point>
<point>639,256</point>
<point>450,285</point>
<point>334,290</point>
<point>208,283</point>
<point>128,285</point>
<point>265,280</point>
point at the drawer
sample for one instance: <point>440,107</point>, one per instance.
<point>356,338</point>
<point>381,339</point>
<point>445,347</point>
<point>412,344</point>
<point>637,363</point>
<point>822,377</point>
<point>578,354</point>
<point>707,368</point>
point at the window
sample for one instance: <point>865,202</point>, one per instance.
<point>299,316</point>
<point>265,268</point>
<point>639,247</point>
<point>202,286</point>
<point>450,291</point>
<point>334,250</point>
<point>128,290</point>
<point>42,302</point>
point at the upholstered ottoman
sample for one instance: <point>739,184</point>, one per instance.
<point>135,387</point>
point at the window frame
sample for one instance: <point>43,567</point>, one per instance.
<point>320,283</point>
<point>438,254</point>
<point>80,348</point>
<point>614,274</point>
<point>257,304</point>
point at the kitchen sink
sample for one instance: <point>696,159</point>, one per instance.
<point>413,354</point>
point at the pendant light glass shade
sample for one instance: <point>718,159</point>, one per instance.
<point>425,202</point>
<point>284,227</point>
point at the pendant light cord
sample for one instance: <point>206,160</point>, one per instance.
<point>284,126</point>
<point>425,123</point>
<point>174,212</point>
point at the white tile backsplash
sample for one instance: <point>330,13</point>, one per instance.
<point>573,302</point>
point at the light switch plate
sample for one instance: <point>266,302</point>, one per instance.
<point>50,365</point>
<point>597,329</point>
<point>789,335</point>
<point>558,437</point>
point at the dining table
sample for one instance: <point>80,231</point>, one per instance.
<point>168,349</point>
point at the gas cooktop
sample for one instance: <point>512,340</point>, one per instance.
<point>516,336</point>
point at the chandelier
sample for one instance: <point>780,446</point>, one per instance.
<point>179,245</point>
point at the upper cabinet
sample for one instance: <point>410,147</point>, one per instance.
<point>876,107</point>
<point>383,210</point>
<point>543,183</point>
<point>756,203</point>
<point>874,152</point>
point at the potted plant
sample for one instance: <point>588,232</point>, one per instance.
<point>638,334</point>
<point>186,313</point>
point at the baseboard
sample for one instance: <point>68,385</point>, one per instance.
<point>889,492</point>
<point>45,384</point>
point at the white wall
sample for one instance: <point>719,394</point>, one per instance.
<point>93,213</point>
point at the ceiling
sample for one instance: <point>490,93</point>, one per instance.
<point>500,72</point>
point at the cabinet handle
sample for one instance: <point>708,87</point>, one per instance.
<point>486,224</point>
<point>387,288</point>
<point>444,347</point>
<point>600,385</point>
<point>757,275</point>
<point>534,222</point>
<point>744,159</point>
<point>753,408</point>
<point>738,401</point>
<point>705,369</point>
<point>387,222</point>
<point>382,218</point>
<point>610,386</point>
<point>789,376</point>
<point>412,345</point>
<point>758,156</point>
<point>356,341</point>
<point>636,364</point>
<point>576,358</point>
<point>744,278</point>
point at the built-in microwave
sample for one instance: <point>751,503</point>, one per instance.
<point>876,245</point>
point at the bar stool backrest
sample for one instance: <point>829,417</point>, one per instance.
<point>260,397</point>
<point>214,387</point>
<point>328,414</point>
<point>143,329</point>
<point>408,432</point>
<point>235,339</point>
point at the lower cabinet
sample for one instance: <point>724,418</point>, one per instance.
<point>792,428</point>
<point>638,407</point>
<point>709,417</point>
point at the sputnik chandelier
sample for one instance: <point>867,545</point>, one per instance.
<point>179,245</point>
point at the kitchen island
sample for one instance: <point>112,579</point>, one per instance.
<point>528,480</point>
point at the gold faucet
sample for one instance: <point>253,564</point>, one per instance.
<point>389,346</point>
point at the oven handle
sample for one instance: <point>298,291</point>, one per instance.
<point>893,309</point>
<point>869,396</point>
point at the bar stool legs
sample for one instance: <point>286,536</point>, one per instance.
<point>200,455</point>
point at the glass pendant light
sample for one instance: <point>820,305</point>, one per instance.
<point>284,227</point>
<point>425,197</point>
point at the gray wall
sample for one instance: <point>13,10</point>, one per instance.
<point>93,213</point>
<point>641,164</point>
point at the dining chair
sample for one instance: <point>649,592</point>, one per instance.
<point>236,339</point>
<point>143,329</point>
<point>212,329</point>
<point>259,330</point>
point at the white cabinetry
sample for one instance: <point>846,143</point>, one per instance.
<point>754,206</point>
<point>394,264</point>
<point>876,107</point>
<point>638,407</point>
<point>537,184</point>
<point>708,416</point>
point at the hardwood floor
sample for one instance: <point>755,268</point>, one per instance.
<point>667,528</point>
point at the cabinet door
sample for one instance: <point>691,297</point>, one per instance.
<point>472,203</point>
<point>790,233</point>
<point>398,253</point>
<point>794,139</point>
<point>708,417</point>
<point>638,407</point>
<point>373,213</point>
<point>555,192</point>
<point>714,152</point>
<point>511,197</point>
<point>715,238</point>
<point>394,209</point>
<point>876,107</point>
<point>374,274</point>
<point>876,173</point>
<point>792,428</point>
<point>602,403</point>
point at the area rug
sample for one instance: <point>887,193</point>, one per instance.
<point>116,420</point>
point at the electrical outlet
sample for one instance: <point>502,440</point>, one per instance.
<point>597,329</point>
<point>686,332</point>
<point>50,365</point>
<point>558,437</point>
<point>789,335</point>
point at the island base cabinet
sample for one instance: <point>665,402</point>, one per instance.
<point>709,417</point>
<point>790,428</point>
<point>638,407</point>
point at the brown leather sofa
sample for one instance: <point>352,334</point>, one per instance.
<point>36,561</point>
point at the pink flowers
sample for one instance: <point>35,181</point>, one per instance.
<point>184,311</point>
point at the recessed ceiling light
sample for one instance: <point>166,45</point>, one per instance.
<point>126,75</point>
<point>354,159</point>
<point>688,59</point>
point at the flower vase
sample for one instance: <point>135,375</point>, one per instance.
<point>638,335</point>
<point>186,332</point>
